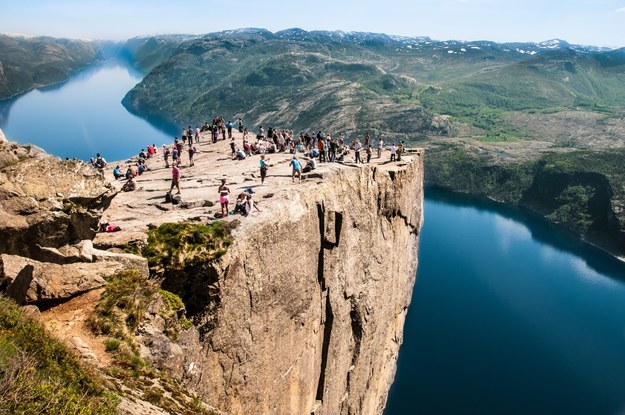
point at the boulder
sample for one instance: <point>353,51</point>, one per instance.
<point>29,281</point>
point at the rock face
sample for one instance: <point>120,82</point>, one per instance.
<point>47,202</point>
<point>311,303</point>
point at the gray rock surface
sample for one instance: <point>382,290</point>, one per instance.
<point>28,281</point>
<point>312,305</point>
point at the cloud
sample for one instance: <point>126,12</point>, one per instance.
<point>621,10</point>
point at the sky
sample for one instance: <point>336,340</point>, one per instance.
<point>586,22</point>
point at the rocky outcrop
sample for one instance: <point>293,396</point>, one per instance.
<point>47,202</point>
<point>49,213</point>
<point>32,282</point>
<point>310,305</point>
<point>303,313</point>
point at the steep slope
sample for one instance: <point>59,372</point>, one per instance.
<point>27,63</point>
<point>145,53</point>
<point>303,313</point>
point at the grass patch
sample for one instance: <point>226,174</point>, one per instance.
<point>496,138</point>
<point>39,375</point>
<point>122,305</point>
<point>178,245</point>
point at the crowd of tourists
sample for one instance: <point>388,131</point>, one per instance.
<point>312,148</point>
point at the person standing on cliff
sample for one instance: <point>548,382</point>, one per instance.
<point>297,169</point>
<point>224,198</point>
<point>380,146</point>
<point>229,126</point>
<point>357,146</point>
<point>191,151</point>
<point>175,178</point>
<point>166,154</point>
<point>263,169</point>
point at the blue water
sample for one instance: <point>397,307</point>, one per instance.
<point>509,315</point>
<point>83,116</point>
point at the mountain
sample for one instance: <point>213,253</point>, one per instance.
<point>148,52</point>
<point>31,62</point>
<point>356,82</point>
<point>262,77</point>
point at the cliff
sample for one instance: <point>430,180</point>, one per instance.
<point>313,299</point>
<point>304,311</point>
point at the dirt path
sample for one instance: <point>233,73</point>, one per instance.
<point>68,322</point>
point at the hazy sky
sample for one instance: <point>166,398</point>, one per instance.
<point>591,22</point>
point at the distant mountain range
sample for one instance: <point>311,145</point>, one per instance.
<point>357,82</point>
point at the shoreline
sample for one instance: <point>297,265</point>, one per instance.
<point>504,205</point>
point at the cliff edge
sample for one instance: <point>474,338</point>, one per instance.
<point>305,311</point>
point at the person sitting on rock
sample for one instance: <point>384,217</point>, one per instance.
<point>240,154</point>
<point>100,163</point>
<point>239,205</point>
<point>311,165</point>
<point>130,185</point>
<point>117,173</point>
<point>141,167</point>
<point>249,204</point>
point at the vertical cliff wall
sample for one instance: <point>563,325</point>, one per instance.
<point>311,300</point>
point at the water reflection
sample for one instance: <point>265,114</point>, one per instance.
<point>518,223</point>
<point>509,318</point>
<point>84,116</point>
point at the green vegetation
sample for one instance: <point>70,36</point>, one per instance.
<point>34,62</point>
<point>452,167</point>
<point>124,305</point>
<point>179,245</point>
<point>39,375</point>
<point>574,208</point>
